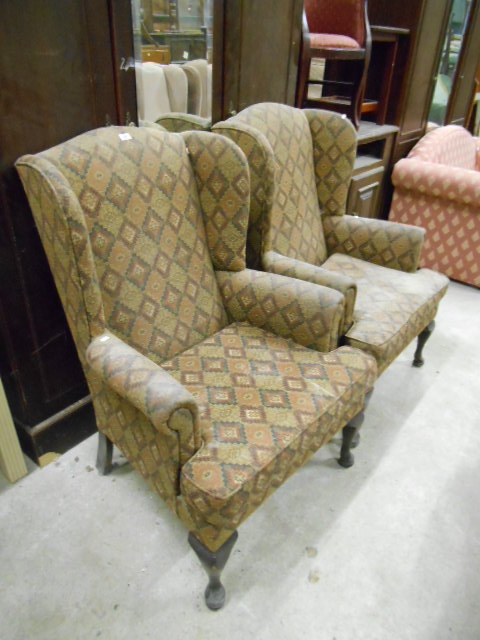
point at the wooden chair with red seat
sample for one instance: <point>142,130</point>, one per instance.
<point>336,31</point>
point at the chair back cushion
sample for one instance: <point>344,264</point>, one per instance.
<point>451,145</point>
<point>130,202</point>
<point>293,225</point>
<point>342,17</point>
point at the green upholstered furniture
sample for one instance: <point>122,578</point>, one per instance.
<point>215,381</point>
<point>301,163</point>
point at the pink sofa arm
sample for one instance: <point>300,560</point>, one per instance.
<point>438,180</point>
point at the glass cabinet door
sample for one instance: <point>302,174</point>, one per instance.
<point>447,69</point>
<point>173,56</point>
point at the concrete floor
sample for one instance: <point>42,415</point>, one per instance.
<point>388,549</point>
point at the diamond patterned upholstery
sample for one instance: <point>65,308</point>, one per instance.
<point>390,309</point>
<point>266,405</point>
<point>438,187</point>
<point>215,381</point>
<point>303,232</point>
<point>223,197</point>
<point>289,150</point>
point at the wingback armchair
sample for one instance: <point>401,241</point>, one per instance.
<point>301,162</point>
<point>215,381</point>
<point>437,186</point>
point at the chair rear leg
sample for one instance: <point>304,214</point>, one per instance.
<point>213,563</point>
<point>104,454</point>
<point>418,360</point>
<point>303,77</point>
<point>351,436</point>
<point>358,91</point>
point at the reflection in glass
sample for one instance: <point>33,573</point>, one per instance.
<point>173,53</point>
<point>449,60</point>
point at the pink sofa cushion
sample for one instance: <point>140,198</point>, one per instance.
<point>331,41</point>
<point>451,145</point>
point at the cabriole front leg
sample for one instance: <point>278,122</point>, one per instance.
<point>418,360</point>
<point>351,436</point>
<point>346,456</point>
<point>213,563</point>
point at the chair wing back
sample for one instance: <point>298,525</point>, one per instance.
<point>342,17</point>
<point>222,179</point>
<point>334,150</point>
<point>125,200</point>
<point>282,152</point>
<point>451,145</point>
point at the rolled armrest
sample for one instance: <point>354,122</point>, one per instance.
<point>389,244</point>
<point>276,263</point>
<point>178,122</point>
<point>438,180</point>
<point>309,314</point>
<point>147,387</point>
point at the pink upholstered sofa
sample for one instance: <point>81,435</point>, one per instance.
<point>437,186</point>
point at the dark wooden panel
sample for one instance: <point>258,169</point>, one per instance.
<point>267,51</point>
<point>416,63</point>
<point>464,84</point>
<point>395,14</point>
<point>55,83</point>
<point>404,15</point>
<point>218,59</point>
<point>255,56</point>
<point>57,80</point>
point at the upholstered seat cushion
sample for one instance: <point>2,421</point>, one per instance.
<point>266,404</point>
<point>332,41</point>
<point>392,307</point>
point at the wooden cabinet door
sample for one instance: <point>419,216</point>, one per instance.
<point>423,67</point>
<point>255,53</point>
<point>59,76</point>
<point>417,62</point>
<point>364,194</point>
